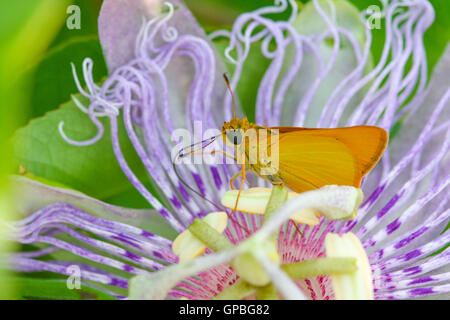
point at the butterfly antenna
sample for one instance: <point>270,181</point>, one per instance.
<point>227,81</point>
<point>192,189</point>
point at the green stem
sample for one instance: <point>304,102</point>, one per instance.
<point>209,236</point>
<point>278,197</point>
<point>246,265</point>
<point>237,291</point>
<point>321,266</point>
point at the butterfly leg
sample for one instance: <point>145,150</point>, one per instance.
<point>234,177</point>
<point>240,187</point>
<point>241,172</point>
<point>224,153</point>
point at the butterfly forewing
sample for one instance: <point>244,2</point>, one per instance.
<point>313,158</point>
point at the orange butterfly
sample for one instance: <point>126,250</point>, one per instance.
<point>307,159</point>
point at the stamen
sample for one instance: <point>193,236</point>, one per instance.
<point>187,246</point>
<point>321,266</point>
<point>209,236</point>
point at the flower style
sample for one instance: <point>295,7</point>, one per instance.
<point>165,74</point>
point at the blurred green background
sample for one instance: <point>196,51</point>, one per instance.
<point>36,49</point>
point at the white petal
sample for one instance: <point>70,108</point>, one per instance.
<point>355,286</point>
<point>34,195</point>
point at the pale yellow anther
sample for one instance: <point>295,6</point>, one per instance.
<point>307,216</point>
<point>357,285</point>
<point>187,247</point>
<point>255,200</point>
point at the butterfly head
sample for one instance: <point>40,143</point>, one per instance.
<point>233,131</point>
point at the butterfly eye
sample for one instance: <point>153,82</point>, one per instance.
<point>234,136</point>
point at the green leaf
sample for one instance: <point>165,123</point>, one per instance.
<point>53,81</point>
<point>438,35</point>
<point>228,11</point>
<point>28,288</point>
<point>93,169</point>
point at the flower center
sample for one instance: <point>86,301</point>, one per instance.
<point>264,262</point>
